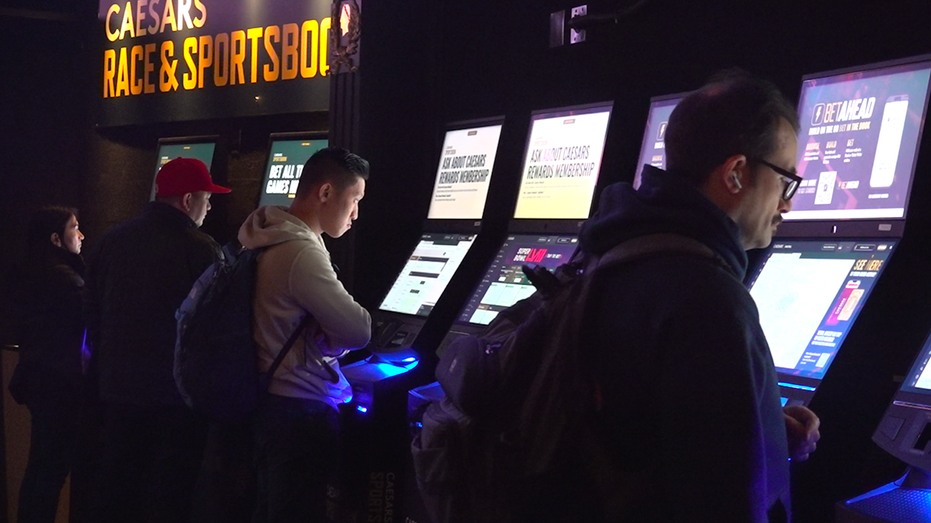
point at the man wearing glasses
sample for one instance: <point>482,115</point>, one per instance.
<point>687,396</point>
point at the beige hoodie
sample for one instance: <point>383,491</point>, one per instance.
<point>295,277</point>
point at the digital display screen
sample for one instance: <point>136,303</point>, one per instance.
<point>464,173</point>
<point>167,152</point>
<point>562,162</point>
<point>504,283</point>
<point>809,293</point>
<point>919,377</point>
<point>858,143</point>
<point>286,158</point>
<point>427,273</point>
<point>653,150</point>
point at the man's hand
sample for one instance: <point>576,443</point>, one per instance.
<point>802,430</point>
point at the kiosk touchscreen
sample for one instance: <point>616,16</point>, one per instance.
<point>287,153</point>
<point>809,292</point>
<point>653,150</point>
<point>505,283</point>
<point>904,432</point>
<point>202,148</point>
<point>456,207</point>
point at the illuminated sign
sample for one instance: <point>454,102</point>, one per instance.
<point>167,60</point>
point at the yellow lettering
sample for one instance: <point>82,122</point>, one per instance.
<point>167,81</point>
<point>189,79</point>
<point>206,58</point>
<point>202,19</point>
<point>254,34</point>
<point>324,38</point>
<point>309,32</point>
<point>122,74</point>
<point>135,84</point>
<point>147,86</point>
<point>237,57</point>
<point>168,17</point>
<point>112,35</point>
<point>221,63</point>
<point>184,14</point>
<point>153,14</point>
<point>140,16</point>
<point>289,53</point>
<point>109,73</point>
<point>272,36</point>
<point>127,25</point>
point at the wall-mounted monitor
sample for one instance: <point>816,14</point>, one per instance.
<point>858,145</point>
<point>464,171</point>
<point>653,149</point>
<point>287,153</point>
<point>905,429</point>
<point>809,293</point>
<point>562,161</point>
<point>427,273</point>
<point>202,148</point>
<point>504,283</point>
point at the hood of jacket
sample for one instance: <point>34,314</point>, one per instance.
<point>272,225</point>
<point>664,203</point>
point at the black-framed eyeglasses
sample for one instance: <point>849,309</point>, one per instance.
<point>792,180</point>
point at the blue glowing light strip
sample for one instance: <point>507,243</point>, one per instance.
<point>795,386</point>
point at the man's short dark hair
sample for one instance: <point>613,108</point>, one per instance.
<point>734,113</point>
<point>334,165</point>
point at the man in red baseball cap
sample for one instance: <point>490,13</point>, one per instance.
<point>185,183</point>
<point>142,271</point>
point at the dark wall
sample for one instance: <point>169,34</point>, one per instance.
<point>428,63</point>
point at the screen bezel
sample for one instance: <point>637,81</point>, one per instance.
<point>558,225</point>
<point>856,226</point>
<point>464,224</point>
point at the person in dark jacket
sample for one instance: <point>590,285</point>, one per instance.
<point>141,273</point>
<point>49,377</point>
<point>688,396</point>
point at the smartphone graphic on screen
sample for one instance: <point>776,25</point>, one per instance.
<point>825,191</point>
<point>890,139</point>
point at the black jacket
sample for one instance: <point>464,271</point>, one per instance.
<point>690,395</point>
<point>50,324</point>
<point>139,276</point>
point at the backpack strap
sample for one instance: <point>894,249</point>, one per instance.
<point>652,245</point>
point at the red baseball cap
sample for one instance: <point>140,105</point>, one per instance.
<point>184,175</point>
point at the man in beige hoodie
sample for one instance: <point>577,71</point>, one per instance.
<point>297,424</point>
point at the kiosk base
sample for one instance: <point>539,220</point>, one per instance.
<point>907,500</point>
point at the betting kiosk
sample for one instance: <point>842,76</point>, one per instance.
<point>203,148</point>
<point>287,153</point>
<point>374,427</point>
<point>904,432</point>
<point>858,147</point>
<point>560,170</point>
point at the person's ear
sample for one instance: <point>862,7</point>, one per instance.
<point>187,201</point>
<point>734,169</point>
<point>56,240</point>
<point>325,191</point>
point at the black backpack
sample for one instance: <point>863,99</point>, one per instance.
<point>215,352</point>
<point>519,401</point>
